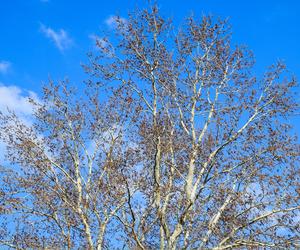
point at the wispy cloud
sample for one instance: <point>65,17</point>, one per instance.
<point>113,21</point>
<point>102,44</point>
<point>98,40</point>
<point>4,67</point>
<point>60,37</point>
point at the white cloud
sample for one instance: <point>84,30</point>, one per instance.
<point>113,21</point>
<point>13,98</point>
<point>60,37</point>
<point>4,67</point>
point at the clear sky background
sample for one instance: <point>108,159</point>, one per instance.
<point>42,38</point>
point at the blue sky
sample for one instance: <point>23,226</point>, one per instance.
<point>50,38</point>
<point>42,38</point>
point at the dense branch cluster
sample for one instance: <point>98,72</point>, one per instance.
<point>172,144</point>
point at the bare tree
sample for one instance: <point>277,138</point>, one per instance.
<point>174,144</point>
<point>69,181</point>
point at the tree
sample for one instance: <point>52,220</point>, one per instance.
<point>173,144</point>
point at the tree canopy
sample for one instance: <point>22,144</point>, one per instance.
<point>172,143</point>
